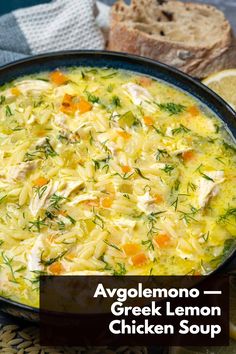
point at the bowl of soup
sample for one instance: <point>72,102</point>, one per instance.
<point>110,164</point>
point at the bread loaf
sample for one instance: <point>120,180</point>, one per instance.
<point>195,38</point>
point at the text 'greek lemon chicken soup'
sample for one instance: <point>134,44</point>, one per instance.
<point>103,171</point>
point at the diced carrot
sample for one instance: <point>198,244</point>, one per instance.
<point>40,133</point>
<point>58,78</point>
<point>148,121</point>
<point>41,181</point>
<point>194,111</point>
<point>107,202</point>
<point>145,81</point>
<point>67,105</point>
<point>15,91</point>
<point>162,240</point>
<point>56,268</point>
<point>124,135</point>
<point>158,198</point>
<point>92,202</point>
<point>110,188</point>
<point>131,249</point>
<point>51,238</point>
<point>62,212</point>
<point>70,256</point>
<point>139,259</point>
<point>84,106</point>
<point>188,155</point>
<point>126,169</point>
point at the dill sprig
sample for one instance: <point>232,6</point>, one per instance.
<point>139,172</point>
<point>180,129</point>
<point>112,245</point>
<point>37,224</point>
<point>161,153</point>
<point>171,108</point>
<point>47,149</point>
<point>168,169</point>
<point>120,270</point>
<point>8,262</point>
<point>229,213</point>
<point>50,261</point>
<point>189,216</point>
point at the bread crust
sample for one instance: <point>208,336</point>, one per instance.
<point>196,60</point>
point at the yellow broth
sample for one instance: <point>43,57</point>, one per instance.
<point>103,171</point>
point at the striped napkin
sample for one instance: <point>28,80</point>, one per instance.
<point>58,25</point>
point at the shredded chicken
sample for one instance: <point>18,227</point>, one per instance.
<point>19,172</point>
<point>208,188</point>
<point>33,86</point>
<point>140,96</point>
<point>34,256</point>
<point>146,203</point>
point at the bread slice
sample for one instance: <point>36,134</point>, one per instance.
<point>194,38</point>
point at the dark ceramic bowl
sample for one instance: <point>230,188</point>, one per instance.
<point>47,62</point>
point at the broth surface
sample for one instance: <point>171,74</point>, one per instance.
<point>103,171</point>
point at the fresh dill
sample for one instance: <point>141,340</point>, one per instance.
<point>37,224</point>
<point>120,270</point>
<point>112,245</point>
<point>8,111</point>
<point>40,190</point>
<point>189,216</point>
<point>205,236</point>
<point>161,153</point>
<point>47,149</point>
<point>168,169</point>
<point>97,220</point>
<point>180,129</point>
<point>138,171</point>
<point>8,262</point>
<point>50,261</point>
<point>148,243</point>
<point>55,201</point>
<point>92,98</point>
<point>191,187</point>
<point>115,101</point>
<point>171,108</point>
<point>229,213</point>
<point>2,99</point>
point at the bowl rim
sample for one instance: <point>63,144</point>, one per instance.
<point>135,59</point>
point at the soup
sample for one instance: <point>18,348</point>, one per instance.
<point>105,171</point>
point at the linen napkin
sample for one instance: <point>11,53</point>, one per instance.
<point>58,25</point>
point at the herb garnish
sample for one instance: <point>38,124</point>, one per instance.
<point>47,149</point>
<point>137,170</point>
<point>115,101</point>
<point>2,99</point>
<point>229,213</point>
<point>52,260</point>
<point>112,245</point>
<point>8,262</point>
<point>98,221</point>
<point>121,269</point>
<point>92,98</point>
<point>180,129</point>
<point>37,224</point>
<point>168,169</point>
<point>8,111</point>
<point>171,108</point>
<point>161,153</point>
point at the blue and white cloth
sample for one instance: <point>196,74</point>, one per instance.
<point>54,26</point>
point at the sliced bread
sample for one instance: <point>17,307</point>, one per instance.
<point>194,38</point>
